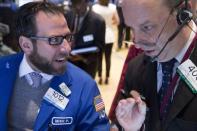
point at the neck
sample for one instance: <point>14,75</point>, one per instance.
<point>176,45</point>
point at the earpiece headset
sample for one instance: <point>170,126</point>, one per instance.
<point>184,13</point>
<point>184,16</point>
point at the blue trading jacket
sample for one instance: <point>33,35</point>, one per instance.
<point>79,114</point>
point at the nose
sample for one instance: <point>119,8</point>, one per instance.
<point>140,38</point>
<point>65,47</point>
<point>137,38</point>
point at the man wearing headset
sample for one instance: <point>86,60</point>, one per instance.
<point>164,77</point>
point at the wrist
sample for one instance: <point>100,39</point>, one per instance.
<point>131,130</point>
<point>140,129</point>
<point>113,125</point>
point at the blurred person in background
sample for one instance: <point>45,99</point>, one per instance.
<point>124,32</point>
<point>7,16</point>
<point>4,49</point>
<point>109,13</point>
<point>89,30</point>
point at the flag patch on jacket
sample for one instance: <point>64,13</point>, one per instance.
<point>98,103</point>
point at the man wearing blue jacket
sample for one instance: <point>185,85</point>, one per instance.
<point>39,89</point>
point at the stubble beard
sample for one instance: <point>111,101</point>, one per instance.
<point>43,65</point>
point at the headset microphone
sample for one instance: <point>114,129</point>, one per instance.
<point>172,37</point>
<point>184,16</point>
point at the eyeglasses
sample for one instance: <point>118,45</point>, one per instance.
<point>55,40</point>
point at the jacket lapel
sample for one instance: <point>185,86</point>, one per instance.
<point>150,78</point>
<point>182,97</point>
<point>46,111</point>
<point>183,94</point>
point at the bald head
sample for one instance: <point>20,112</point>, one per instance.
<point>140,7</point>
<point>153,23</point>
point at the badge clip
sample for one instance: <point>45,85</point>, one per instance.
<point>64,89</point>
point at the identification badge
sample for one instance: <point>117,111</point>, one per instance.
<point>88,38</point>
<point>55,98</point>
<point>62,120</point>
<point>188,72</point>
<point>64,89</point>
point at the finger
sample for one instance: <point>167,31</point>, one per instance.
<point>130,105</point>
<point>142,106</point>
<point>131,101</point>
<point>135,95</point>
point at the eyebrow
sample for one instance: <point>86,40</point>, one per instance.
<point>146,22</point>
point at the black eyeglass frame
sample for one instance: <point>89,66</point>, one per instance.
<point>55,40</point>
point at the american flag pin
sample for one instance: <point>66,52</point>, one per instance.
<point>98,103</point>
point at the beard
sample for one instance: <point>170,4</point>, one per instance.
<point>44,65</point>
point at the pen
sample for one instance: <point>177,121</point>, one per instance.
<point>124,94</point>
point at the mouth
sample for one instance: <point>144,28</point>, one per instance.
<point>149,52</point>
<point>61,60</point>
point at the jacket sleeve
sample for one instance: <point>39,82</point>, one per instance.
<point>92,116</point>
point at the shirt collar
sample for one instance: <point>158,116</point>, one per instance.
<point>25,69</point>
<point>180,55</point>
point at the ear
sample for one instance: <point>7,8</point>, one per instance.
<point>26,44</point>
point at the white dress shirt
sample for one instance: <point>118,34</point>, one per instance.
<point>25,69</point>
<point>179,57</point>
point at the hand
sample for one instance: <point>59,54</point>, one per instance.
<point>131,112</point>
<point>114,129</point>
